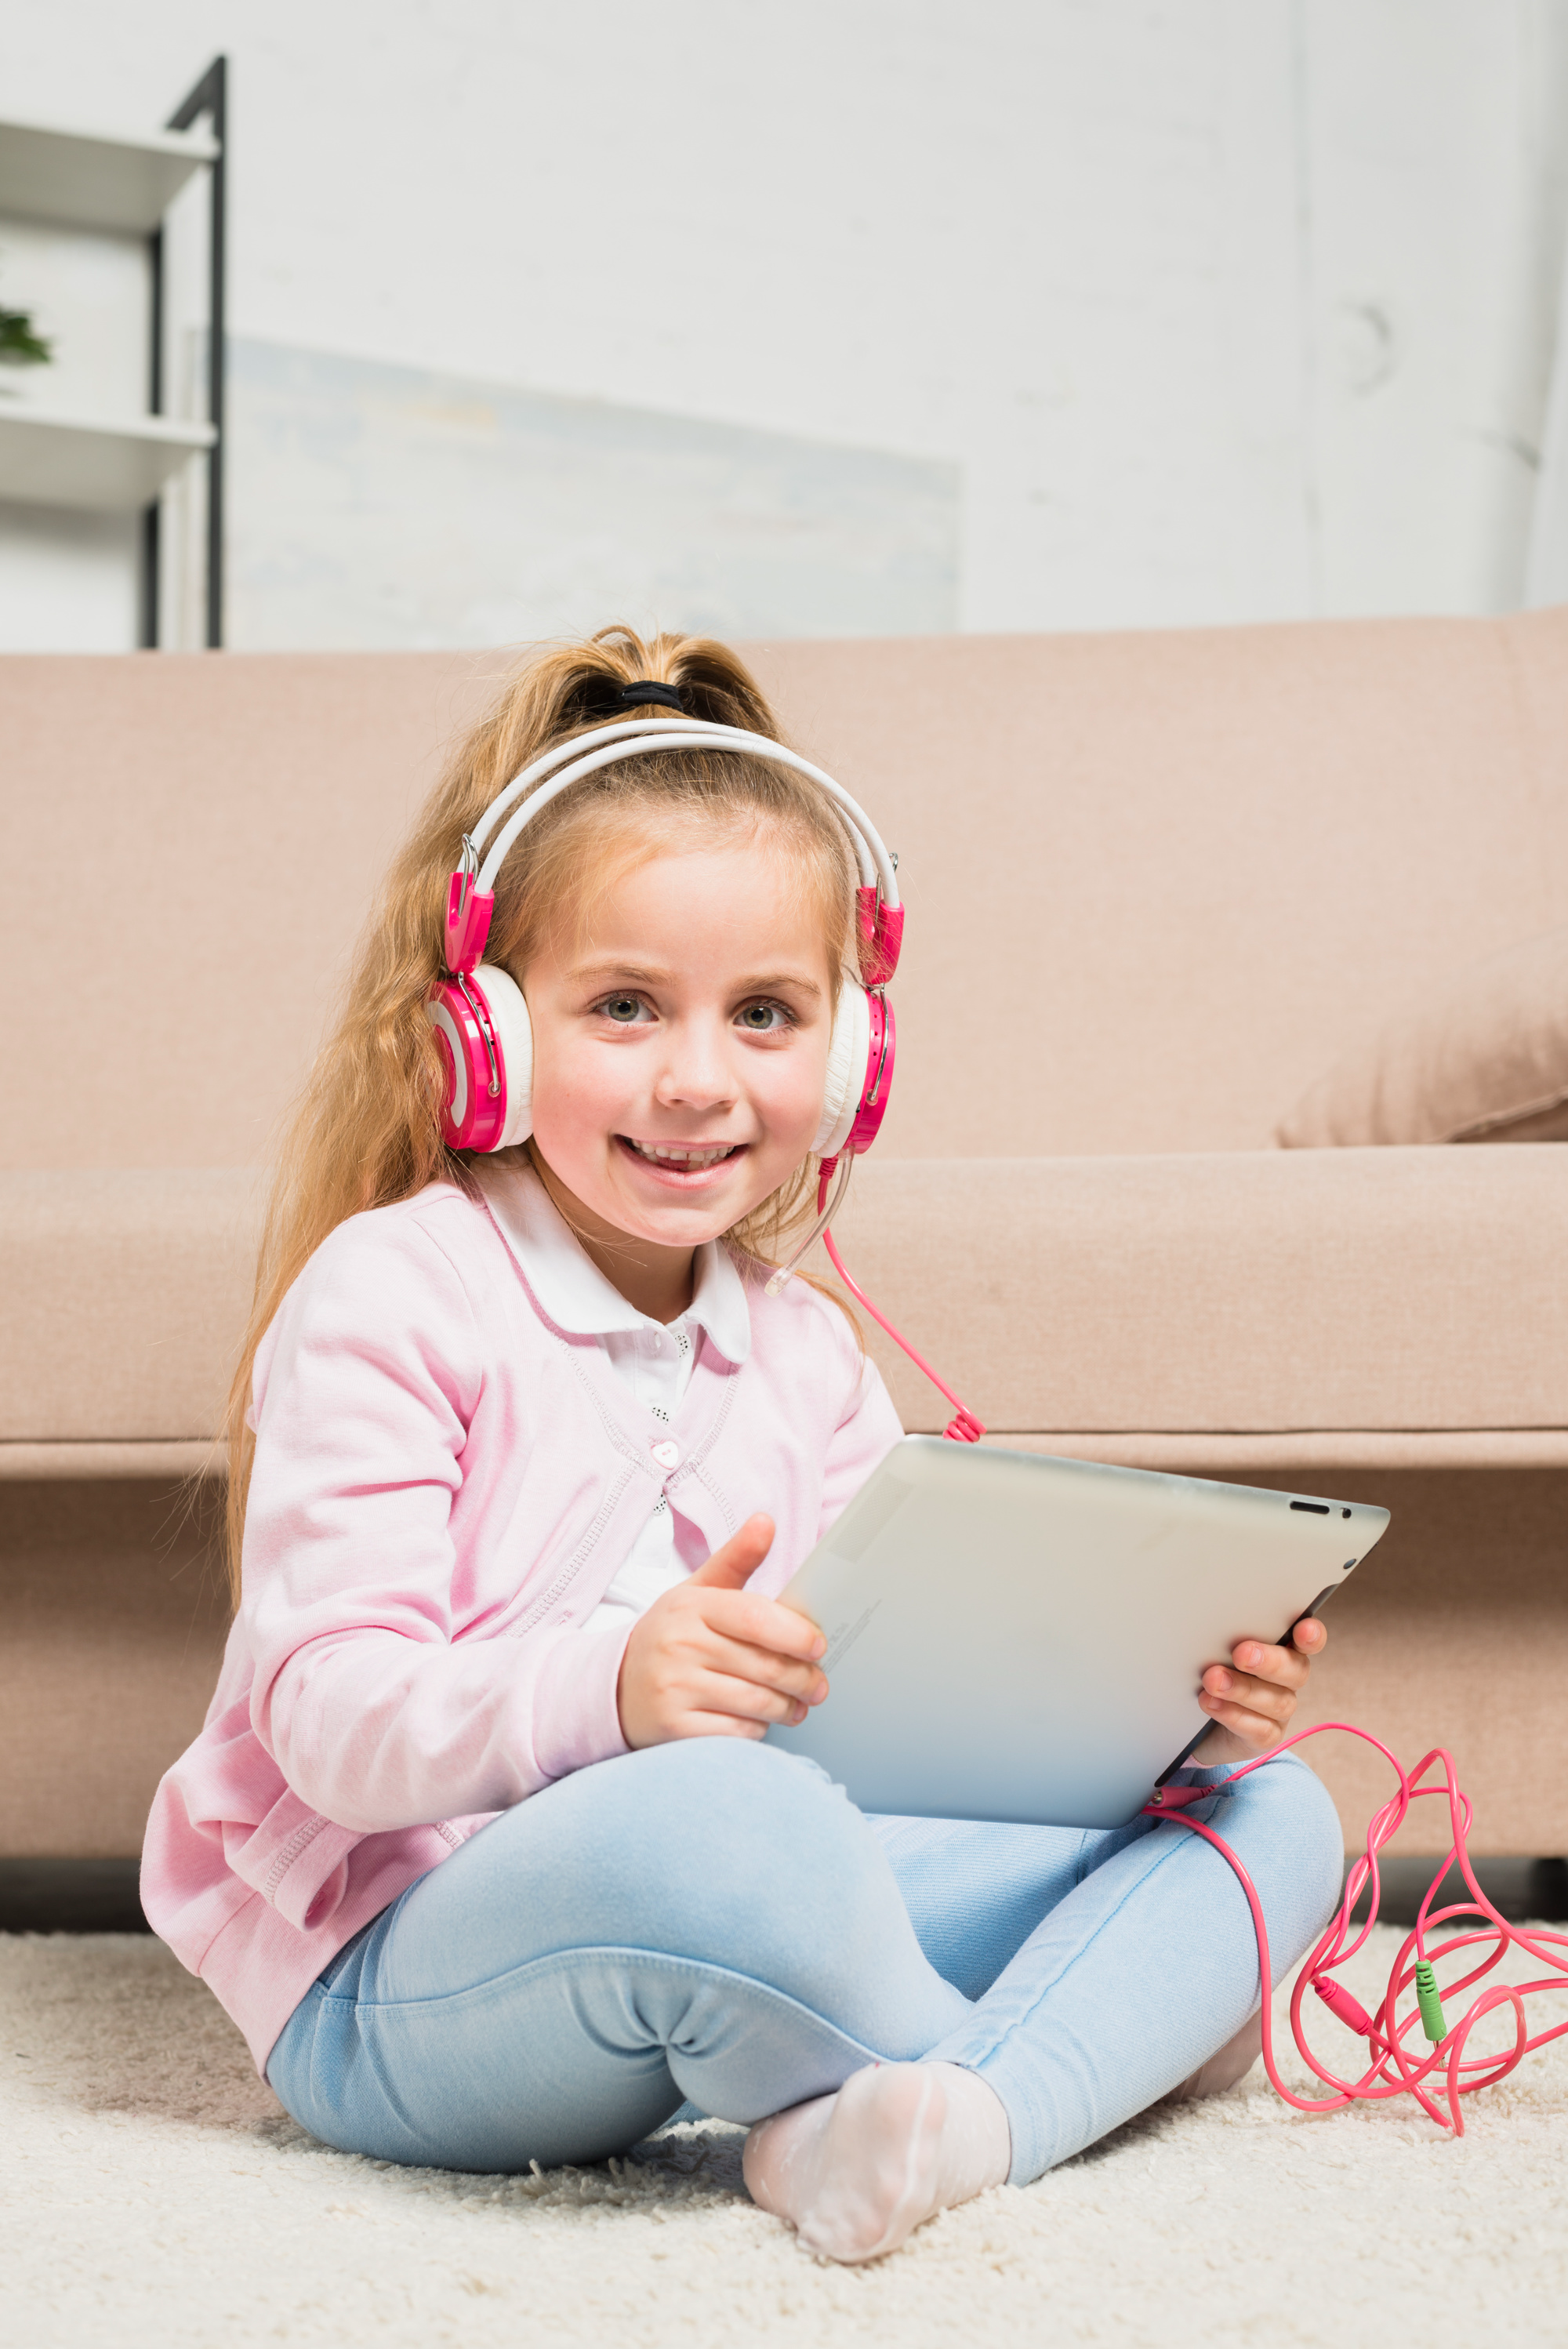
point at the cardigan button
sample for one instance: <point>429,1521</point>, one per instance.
<point>667,1454</point>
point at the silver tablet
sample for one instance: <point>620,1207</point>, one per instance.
<point>1014,1637</point>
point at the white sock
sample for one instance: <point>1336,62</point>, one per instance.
<point>1228,2064</point>
<point>856,2173</point>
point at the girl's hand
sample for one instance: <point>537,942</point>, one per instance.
<point>1252,1699</point>
<point>712,1660</point>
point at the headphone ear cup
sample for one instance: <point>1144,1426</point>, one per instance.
<point>514,1033</point>
<point>847,1054</point>
<point>485,1109</point>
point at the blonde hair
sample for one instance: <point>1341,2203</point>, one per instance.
<point>367,1129</point>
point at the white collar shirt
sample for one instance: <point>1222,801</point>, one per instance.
<point>653,1359</point>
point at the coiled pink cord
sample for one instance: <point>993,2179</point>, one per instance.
<point>964,1427</point>
<point>1395,2070</point>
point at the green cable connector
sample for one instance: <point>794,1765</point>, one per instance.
<point>1430,2004</point>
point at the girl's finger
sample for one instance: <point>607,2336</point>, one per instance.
<point>1253,1728</point>
<point>736,1661</point>
<point>1286,1665</point>
<point>740,1557</point>
<point>695,1650</point>
<point>744,1700</point>
<point>1246,1689</point>
<point>761,1622</point>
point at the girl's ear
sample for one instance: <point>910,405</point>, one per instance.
<point>485,1040</point>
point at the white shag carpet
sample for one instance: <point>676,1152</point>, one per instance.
<point>155,2194</point>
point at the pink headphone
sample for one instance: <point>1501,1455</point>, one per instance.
<point>481,1021</point>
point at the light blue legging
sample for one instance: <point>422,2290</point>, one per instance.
<point>715,1920</point>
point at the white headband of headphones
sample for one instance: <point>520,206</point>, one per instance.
<point>628,740</point>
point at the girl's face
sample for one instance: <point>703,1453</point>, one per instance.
<point>681,1047</point>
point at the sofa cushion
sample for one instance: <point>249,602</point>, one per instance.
<point>125,1296</point>
<point>1483,1057</point>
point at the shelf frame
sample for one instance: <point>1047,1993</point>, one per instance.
<point>210,96</point>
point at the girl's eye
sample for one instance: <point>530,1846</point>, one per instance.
<point>763,1019</point>
<point>625,1010</point>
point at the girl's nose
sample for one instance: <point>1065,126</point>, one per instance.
<point>700,1071</point>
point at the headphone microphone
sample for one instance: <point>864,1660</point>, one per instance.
<point>485,1038</point>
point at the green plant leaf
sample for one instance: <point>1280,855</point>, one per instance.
<point>20,344</point>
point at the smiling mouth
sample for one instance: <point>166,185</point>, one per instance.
<point>683,1157</point>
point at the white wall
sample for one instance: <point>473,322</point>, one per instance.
<point>1223,309</point>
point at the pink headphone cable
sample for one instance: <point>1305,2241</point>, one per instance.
<point>964,1427</point>
<point>1395,2069</point>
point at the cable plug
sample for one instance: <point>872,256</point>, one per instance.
<point>1175,1799</point>
<point>1339,2002</point>
<point>1430,2004</point>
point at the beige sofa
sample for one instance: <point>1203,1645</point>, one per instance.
<point>1154,883</point>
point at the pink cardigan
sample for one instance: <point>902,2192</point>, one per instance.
<point>446,1483</point>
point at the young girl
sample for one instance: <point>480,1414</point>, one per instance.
<point>479,1846</point>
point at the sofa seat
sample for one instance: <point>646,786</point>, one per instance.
<point>125,1296</point>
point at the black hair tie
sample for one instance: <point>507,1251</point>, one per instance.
<point>644,689</point>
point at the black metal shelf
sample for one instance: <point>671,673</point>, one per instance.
<point>210,96</point>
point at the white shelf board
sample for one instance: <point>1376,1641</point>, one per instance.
<point>89,180</point>
<point>77,460</point>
